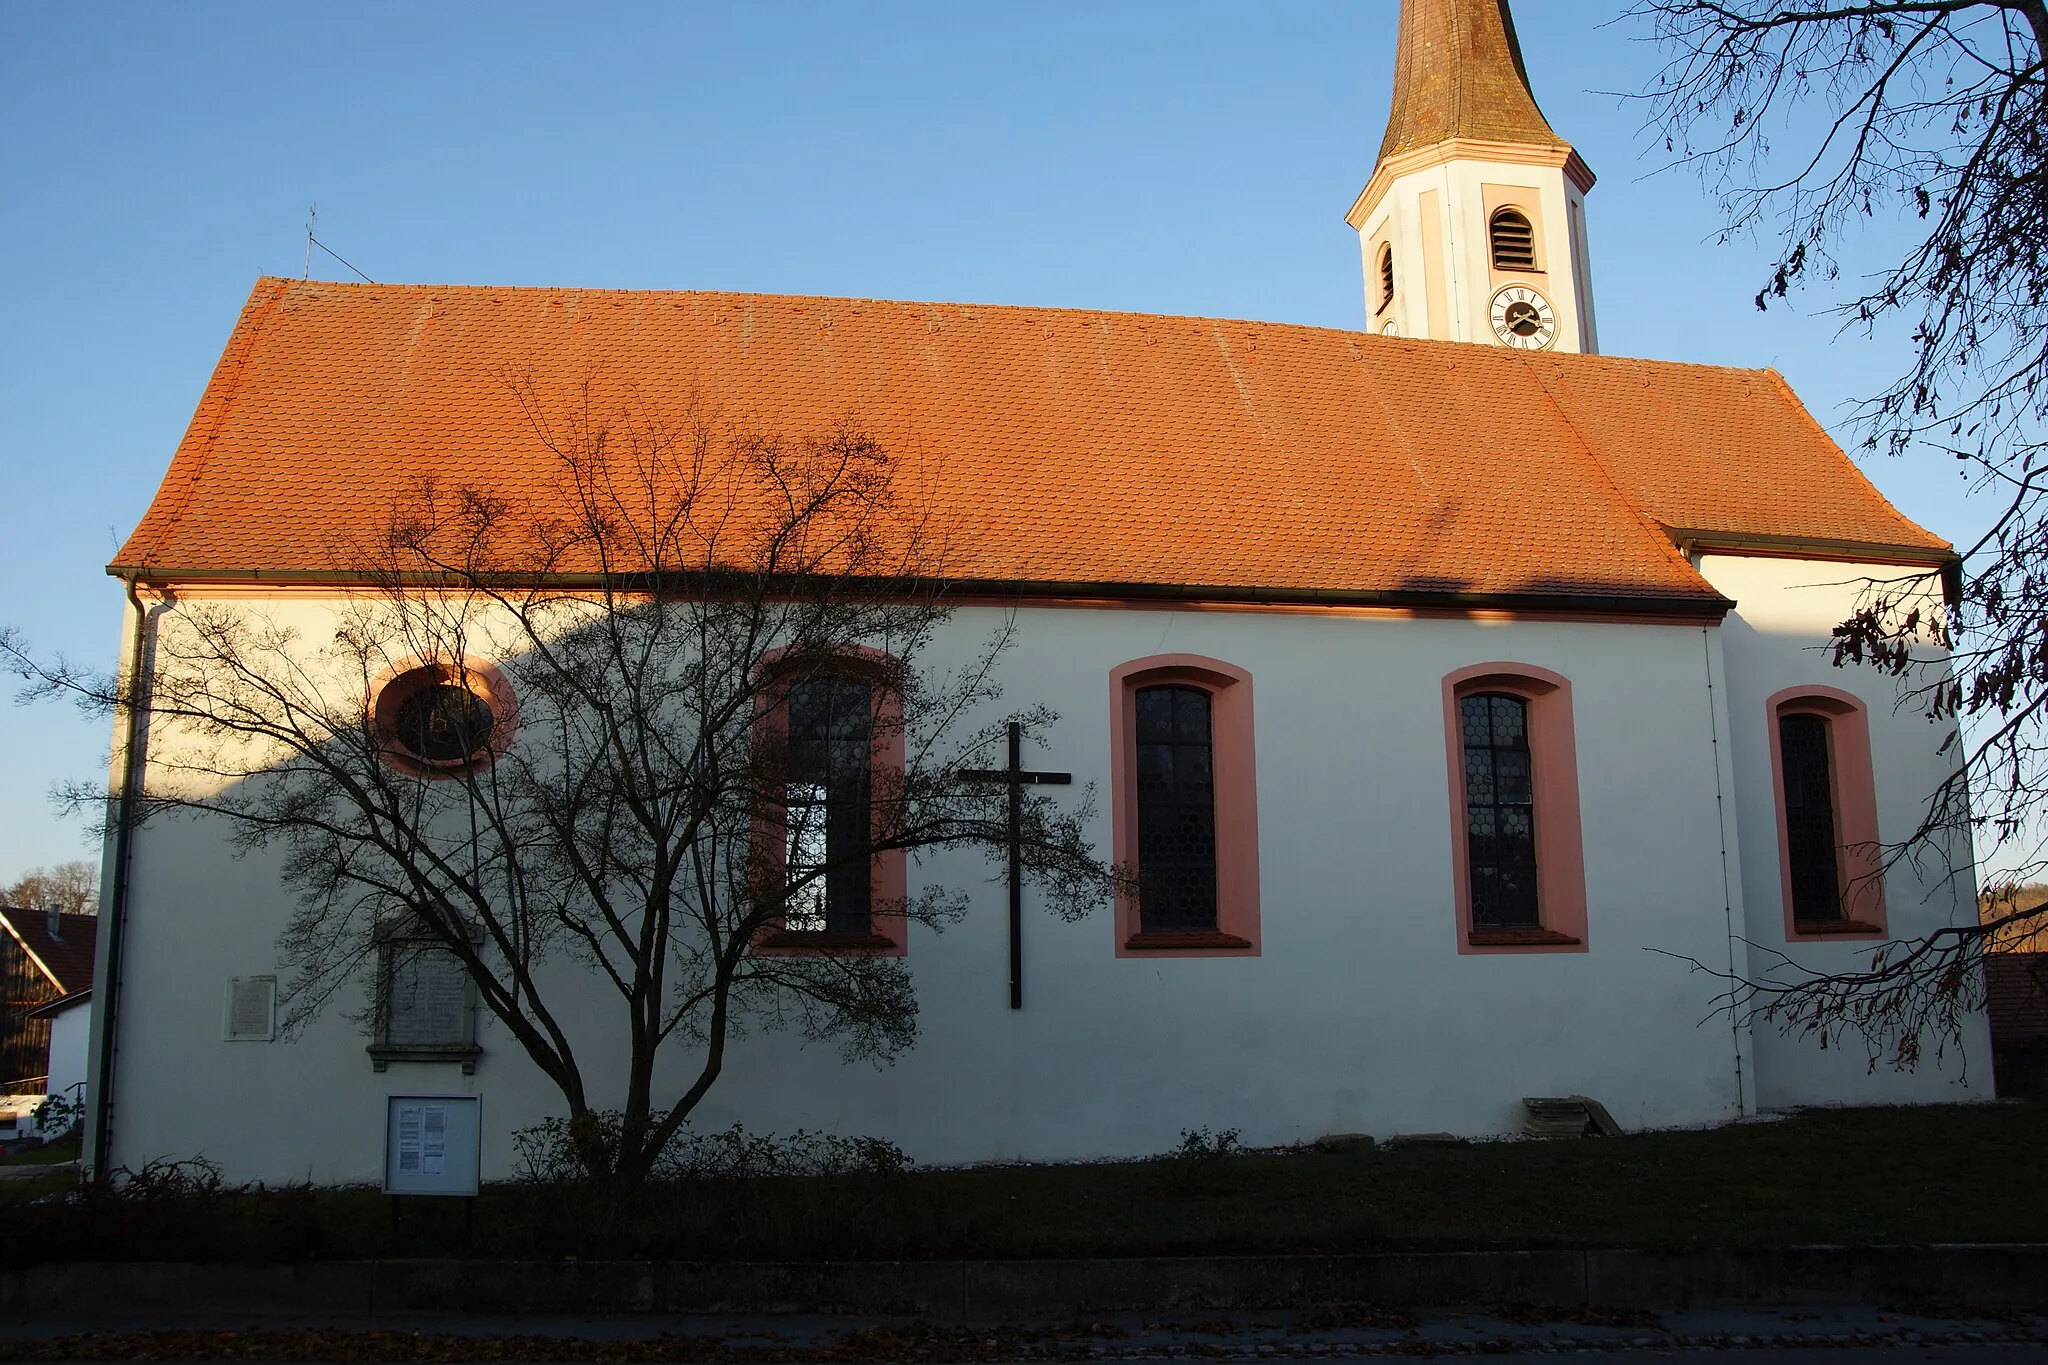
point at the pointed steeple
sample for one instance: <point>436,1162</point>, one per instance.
<point>1458,73</point>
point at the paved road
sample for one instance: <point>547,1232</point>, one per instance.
<point>1836,1335</point>
<point>2007,1354</point>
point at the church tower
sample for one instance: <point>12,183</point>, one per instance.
<point>1473,225</point>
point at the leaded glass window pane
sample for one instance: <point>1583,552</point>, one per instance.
<point>444,723</point>
<point>1176,811</point>
<point>826,807</point>
<point>1810,817</point>
<point>1500,812</point>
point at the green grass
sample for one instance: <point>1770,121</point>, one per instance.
<point>43,1156</point>
<point>1871,1176</point>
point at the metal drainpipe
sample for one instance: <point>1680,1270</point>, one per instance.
<point>1727,894</point>
<point>117,902</point>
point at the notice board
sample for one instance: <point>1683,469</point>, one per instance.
<point>433,1144</point>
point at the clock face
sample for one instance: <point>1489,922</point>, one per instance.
<point>1523,318</point>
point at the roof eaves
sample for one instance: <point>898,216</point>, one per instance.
<point>1705,601</point>
<point>60,1004</point>
<point>1793,402</point>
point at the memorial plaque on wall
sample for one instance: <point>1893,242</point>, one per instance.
<point>433,1144</point>
<point>427,999</point>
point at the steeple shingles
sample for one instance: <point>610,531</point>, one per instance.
<point>1458,73</point>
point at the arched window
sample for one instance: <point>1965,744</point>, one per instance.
<point>1185,816</point>
<point>1386,277</point>
<point>1828,856</point>
<point>1517,858</point>
<point>1513,240</point>
<point>1500,811</point>
<point>825,806</point>
<point>1176,811</point>
<point>828,738</point>
<point>1810,844</point>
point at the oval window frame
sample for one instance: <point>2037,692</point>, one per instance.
<point>399,684</point>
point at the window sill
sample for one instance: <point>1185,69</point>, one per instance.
<point>1520,938</point>
<point>1834,928</point>
<point>383,1054</point>
<point>825,941</point>
<point>1181,942</point>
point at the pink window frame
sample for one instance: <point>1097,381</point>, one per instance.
<point>889,870</point>
<point>1237,805</point>
<point>390,689</point>
<point>1854,785</point>
<point>1560,846</point>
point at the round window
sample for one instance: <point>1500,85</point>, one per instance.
<point>444,724</point>
<point>439,721</point>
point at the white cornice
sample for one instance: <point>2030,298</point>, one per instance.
<point>1560,157</point>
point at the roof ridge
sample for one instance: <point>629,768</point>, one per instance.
<point>1064,310</point>
<point>1651,528</point>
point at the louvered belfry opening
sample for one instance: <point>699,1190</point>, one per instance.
<point>1514,241</point>
<point>1386,277</point>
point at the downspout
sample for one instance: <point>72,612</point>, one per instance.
<point>1727,894</point>
<point>109,975</point>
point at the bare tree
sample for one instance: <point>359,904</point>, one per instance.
<point>656,724</point>
<point>72,888</point>
<point>1811,120</point>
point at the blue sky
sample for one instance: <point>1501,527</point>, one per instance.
<point>1191,157</point>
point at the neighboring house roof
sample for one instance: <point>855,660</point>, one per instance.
<point>52,1008</point>
<point>67,959</point>
<point>1055,446</point>
<point>2016,998</point>
<point>1458,73</point>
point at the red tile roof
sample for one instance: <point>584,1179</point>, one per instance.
<point>2016,998</point>
<point>1059,446</point>
<point>68,957</point>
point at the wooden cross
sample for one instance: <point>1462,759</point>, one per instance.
<point>1016,778</point>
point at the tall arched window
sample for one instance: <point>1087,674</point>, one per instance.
<point>1176,811</point>
<point>1386,277</point>
<point>1513,240</point>
<point>1517,861</point>
<point>825,807</point>
<point>828,735</point>
<point>1500,811</point>
<point>1829,859</point>
<point>1810,818</point>
<point>1185,813</point>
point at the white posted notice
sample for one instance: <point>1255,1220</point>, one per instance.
<point>433,1139</point>
<point>433,1144</point>
<point>409,1138</point>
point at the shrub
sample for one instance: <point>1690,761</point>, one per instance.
<point>549,1153</point>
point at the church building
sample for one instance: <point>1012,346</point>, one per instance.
<point>1509,660</point>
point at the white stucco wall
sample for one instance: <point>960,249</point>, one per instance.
<point>70,1031</point>
<point>1777,638</point>
<point>1360,1015</point>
